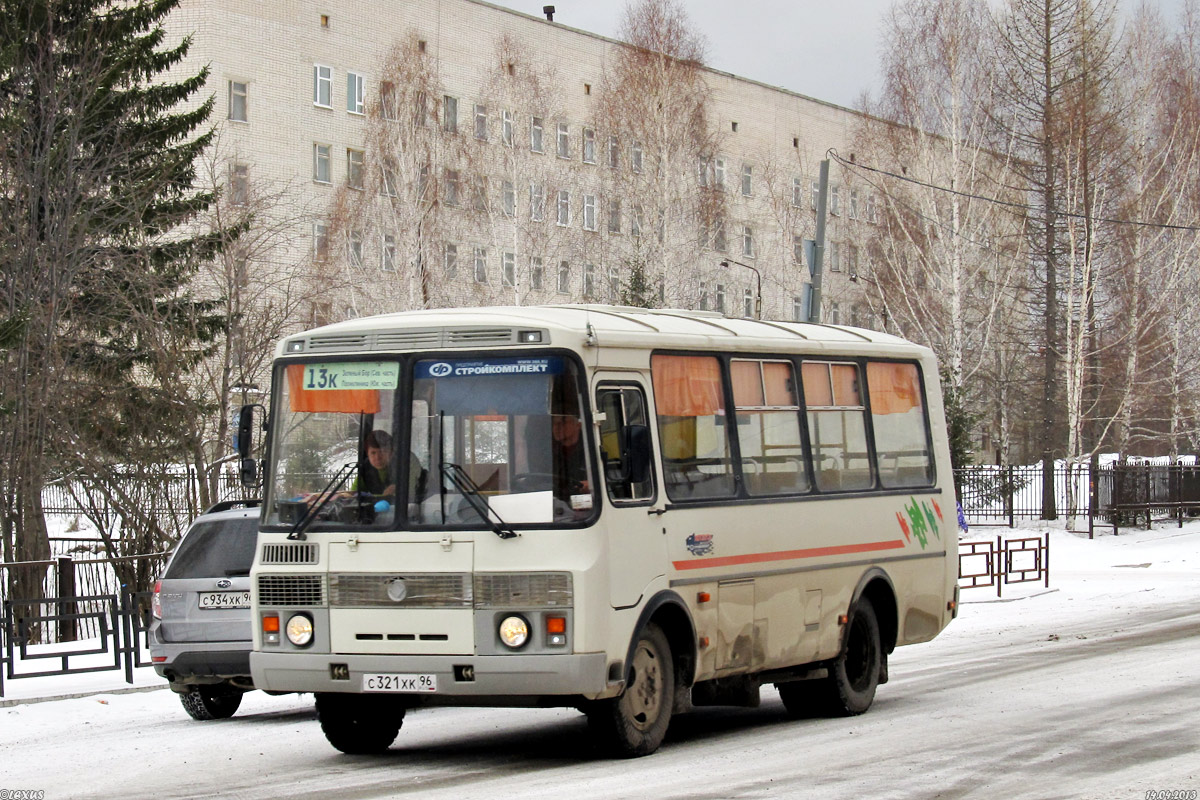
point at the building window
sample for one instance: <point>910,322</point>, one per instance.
<point>798,310</point>
<point>614,152</point>
<point>614,284</point>
<point>636,220</point>
<point>835,257</point>
<point>589,212</point>
<point>747,241</point>
<point>481,265</point>
<point>420,111</point>
<point>564,277</point>
<point>798,192</point>
<point>564,208</point>
<point>635,156</point>
<point>718,180</point>
<point>536,273</point>
<point>535,135</point>
<point>450,191</point>
<point>239,184</point>
<point>589,146</point>
<point>871,217</point>
<point>479,193</point>
<point>320,241</point>
<point>322,86</point>
<point>720,299</point>
<point>354,168</point>
<point>614,215</point>
<point>508,198</point>
<point>321,163</point>
<point>388,105</point>
<point>747,180</point>
<point>537,202</point>
<point>508,271</point>
<point>451,260</point>
<point>854,204</point>
<point>449,114</point>
<point>481,125</point>
<point>834,205</point>
<point>423,183</point>
<point>506,127</point>
<point>354,247</point>
<point>589,281</point>
<point>747,303</point>
<point>852,261</point>
<point>798,248</point>
<point>356,93</point>
<point>388,174</point>
<point>564,141</point>
<point>720,244</point>
<point>237,101</point>
<point>387,258</point>
<point>703,296</point>
<point>835,313</point>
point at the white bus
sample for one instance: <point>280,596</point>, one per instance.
<point>621,510</point>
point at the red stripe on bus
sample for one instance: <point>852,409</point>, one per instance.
<point>788,555</point>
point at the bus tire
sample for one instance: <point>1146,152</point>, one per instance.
<point>634,723</point>
<point>854,675</point>
<point>359,725</point>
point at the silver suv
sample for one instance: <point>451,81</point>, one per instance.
<point>201,632</point>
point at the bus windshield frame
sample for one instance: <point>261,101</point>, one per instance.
<point>395,430</point>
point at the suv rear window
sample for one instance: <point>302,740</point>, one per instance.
<point>216,549</point>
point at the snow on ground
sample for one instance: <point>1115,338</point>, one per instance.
<point>1002,657</point>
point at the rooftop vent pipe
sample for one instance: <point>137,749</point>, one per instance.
<point>549,12</point>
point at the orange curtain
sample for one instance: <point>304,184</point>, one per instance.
<point>347,401</point>
<point>747,383</point>
<point>687,386</point>
<point>778,378</point>
<point>816,384</point>
<point>894,388</point>
<point>845,385</point>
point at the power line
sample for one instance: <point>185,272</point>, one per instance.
<point>995,200</point>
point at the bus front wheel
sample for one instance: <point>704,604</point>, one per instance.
<point>635,723</point>
<point>853,676</point>
<point>359,725</point>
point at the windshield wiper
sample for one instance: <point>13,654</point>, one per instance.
<point>462,481</point>
<point>335,483</point>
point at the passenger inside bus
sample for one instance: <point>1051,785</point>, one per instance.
<point>374,475</point>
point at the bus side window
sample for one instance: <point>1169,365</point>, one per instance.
<point>624,444</point>
<point>837,427</point>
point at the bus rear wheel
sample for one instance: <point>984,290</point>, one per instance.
<point>358,724</point>
<point>635,723</point>
<point>853,677</point>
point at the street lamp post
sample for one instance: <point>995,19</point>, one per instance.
<point>758,281</point>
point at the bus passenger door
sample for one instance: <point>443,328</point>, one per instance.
<point>637,552</point>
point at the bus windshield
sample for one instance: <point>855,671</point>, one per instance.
<point>513,428</point>
<point>501,436</point>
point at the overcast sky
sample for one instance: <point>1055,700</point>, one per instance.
<point>827,50</point>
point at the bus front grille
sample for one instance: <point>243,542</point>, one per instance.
<point>291,590</point>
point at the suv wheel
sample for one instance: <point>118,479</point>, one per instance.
<point>211,702</point>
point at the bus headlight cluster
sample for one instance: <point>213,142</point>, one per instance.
<point>300,630</point>
<point>514,631</point>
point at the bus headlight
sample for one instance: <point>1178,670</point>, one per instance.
<point>514,631</point>
<point>300,630</point>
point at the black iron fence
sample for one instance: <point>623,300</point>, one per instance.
<point>1004,562</point>
<point>1114,495</point>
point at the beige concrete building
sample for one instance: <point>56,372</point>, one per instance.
<point>412,153</point>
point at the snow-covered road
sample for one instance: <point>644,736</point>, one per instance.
<point>1088,690</point>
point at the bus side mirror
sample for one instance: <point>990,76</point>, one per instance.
<point>635,453</point>
<point>248,474</point>
<point>244,439</point>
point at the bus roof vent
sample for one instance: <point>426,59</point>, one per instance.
<point>407,340</point>
<point>477,336</point>
<point>335,342</point>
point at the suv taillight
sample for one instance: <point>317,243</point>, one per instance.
<point>156,601</point>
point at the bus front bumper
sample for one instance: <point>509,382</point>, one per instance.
<point>516,677</point>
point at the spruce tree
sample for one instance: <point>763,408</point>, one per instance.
<point>98,147</point>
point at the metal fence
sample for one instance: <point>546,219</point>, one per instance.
<point>983,564</point>
<point>1114,495</point>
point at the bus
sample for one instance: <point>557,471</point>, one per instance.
<point>626,511</point>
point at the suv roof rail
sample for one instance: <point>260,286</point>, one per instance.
<point>226,505</point>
